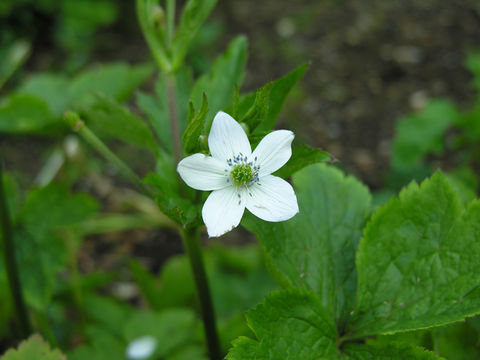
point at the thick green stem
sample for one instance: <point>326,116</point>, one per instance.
<point>11,263</point>
<point>191,241</point>
<point>79,126</point>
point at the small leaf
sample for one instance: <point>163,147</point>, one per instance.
<point>22,113</point>
<point>302,156</point>
<point>259,109</point>
<point>34,348</point>
<point>147,283</point>
<point>117,80</point>
<point>280,90</point>
<point>316,249</point>
<point>12,57</point>
<point>290,325</point>
<point>219,84</point>
<point>195,128</point>
<point>193,16</point>
<point>418,262</point>
<point>110,118</point>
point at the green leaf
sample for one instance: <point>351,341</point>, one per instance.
<point>110,118</point>
<point>418,262</point>
<point>316,249</point>
<point>157,115</point>
<point>41,253</point>
<point>193,16</point>
<point>117,80</point>
<point>422,133</point>
<point>147,283</point>
<point>12,57</point>
<point>51,88</point>
<point>101,345</point>
<point>34,348</point>
<point>457,341</point>
<point>195,128</point>
<point>386,352</point>
<point>22,113</point>
<point>290,325</point>
<point>219,84</point>
<point>280,90</point>
<point>302,156</point>
<point>259,109</point>
<point>473,64</point>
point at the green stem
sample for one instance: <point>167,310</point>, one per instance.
<point>191,241</point>
<point>79,126</point>
<point>11,263</point>
<point>173,114</point>
<point>170,21</point>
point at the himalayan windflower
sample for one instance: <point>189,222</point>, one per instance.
<point>239,177</point>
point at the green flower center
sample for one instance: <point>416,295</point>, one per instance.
<point>242,174</point>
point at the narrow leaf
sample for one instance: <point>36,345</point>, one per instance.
<point>195,128</point>
<point>302,156</point>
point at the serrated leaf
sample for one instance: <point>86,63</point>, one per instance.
<point>280,90</point>
<point>421,133</point>
<point>219,84</point>
<point>22,113</point>
<point>302,156</point>
<point>195,128</point>
<point>194,14</point>
<point>110,118</point>
<point>34,348</point>
<point>394,351</point>
<point>418,262</point>
<point>41,253</point>
<point>316,249</point>
<point>259,109</point>
<point>117,80</point>
<point>289,325</point>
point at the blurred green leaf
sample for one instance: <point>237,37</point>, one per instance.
<point>302,156</point>
<point>108,117</point>
<point>417,262</point>
<point>117,80</point>
<point>320,257</point>
<point>422,133</point>
<point>195,128</point>
<point>473,64</point>
<point>12,57</point>
<point>21,113</point>
<point>107,313</point>
<point>457,342</point>
<point>148,285</point>
<point>194,14</point>
<point>34,348</point>
<point>219,84</point>
<point>102,345</point>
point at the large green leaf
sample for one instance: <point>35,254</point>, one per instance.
<point>112,119</point>
<point>193,16</point>
<point>219,84</point>
<point>41,253</point>
<point>290,325</point>
<point>21,113</point>
<point>34,348</point>
<point>316,249</point>
<point>394,351</point>
<point>418,262</point>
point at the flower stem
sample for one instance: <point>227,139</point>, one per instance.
<point>173,114</point>
<point>191,241</point>
<point>79,126</point>
<point>11,263</point>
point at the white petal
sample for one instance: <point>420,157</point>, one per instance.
<point>272,199</point>
<point>273,151</point>
<point>227,138</point>
<point>141,348</point>
<point>223,211</point>
<point>203,172</point>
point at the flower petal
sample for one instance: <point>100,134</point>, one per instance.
<point>227,138</point>
<point>203,172</point>
<point>223,211</point>
<point>272,199</point>
<point>273,151</point>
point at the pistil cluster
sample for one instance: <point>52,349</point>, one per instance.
<point>242,172</point>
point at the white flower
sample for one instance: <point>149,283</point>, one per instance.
<point>141,348</point>
<point>240,178</point>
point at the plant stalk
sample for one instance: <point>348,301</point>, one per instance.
<point>79,126</point>
<point>191,241</point>
<point>11,263</point>
<point>170,21</point>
